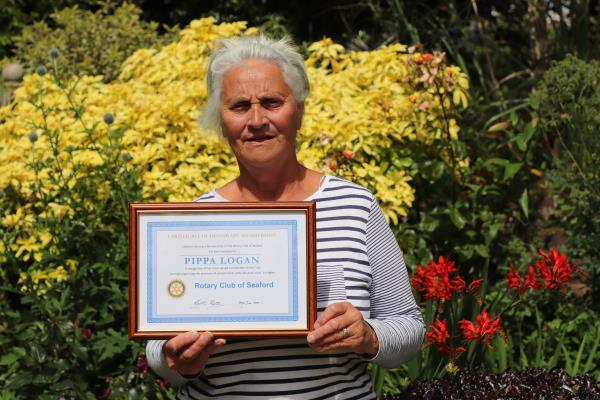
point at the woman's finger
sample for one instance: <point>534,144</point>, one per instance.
<point>180,342</point>
<point>332,311</point>
<point>193,351</point>
<point>354,332</point>
<point>331,327</point>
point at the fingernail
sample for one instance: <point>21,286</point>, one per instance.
<point>310,338</point>
<point>193,335</point>
<point>220,342</point>
<point>317,325</point>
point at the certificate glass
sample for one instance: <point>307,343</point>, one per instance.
<point>235,269</point>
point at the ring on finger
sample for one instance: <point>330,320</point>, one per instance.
<point>345,333</point>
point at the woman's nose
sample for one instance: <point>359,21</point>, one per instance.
<point>257,117</point>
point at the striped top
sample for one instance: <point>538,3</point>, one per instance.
<point>359,261</point>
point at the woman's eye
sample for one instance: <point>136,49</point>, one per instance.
<point>271,103</point>
<point>240,106</point>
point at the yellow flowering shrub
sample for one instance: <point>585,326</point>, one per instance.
<point>363,107</point>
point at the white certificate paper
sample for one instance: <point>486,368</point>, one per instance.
<point>222,271</point>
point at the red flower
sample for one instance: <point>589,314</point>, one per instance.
<point>423,58</point>
<point>531,280</point>
<point>515,280</point>
<point>438,280</point>
<point>87,332</point>
<point>554,269</point>
<point>348,154</point>
<point>484,328</point>
<point>438,337</point>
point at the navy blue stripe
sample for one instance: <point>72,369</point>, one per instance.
<point>345,207</point>
<point>352,260</point>
<point>350,249</point>
<point>341,239</point>
<point>365,273</point>
<point>345,196</point>
<point>281,358</point>
<point>355,187</point>
<point>341,228</point>
<point>343,218</point>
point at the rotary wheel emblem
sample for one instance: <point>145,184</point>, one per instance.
<point>176,288</point>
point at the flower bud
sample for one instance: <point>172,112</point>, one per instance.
<point>53,53</point>
<point>348,154</point>
<point>127,157</point>
<point>87,332</point>
<point>41,70</point>
<point>332,165</point>
<point>33,137</point>
<point>70,148</point>
<point>109,118</point>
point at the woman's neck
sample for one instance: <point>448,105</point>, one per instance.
<point>295,183</point>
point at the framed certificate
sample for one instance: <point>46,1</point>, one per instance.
<point>235,269</point>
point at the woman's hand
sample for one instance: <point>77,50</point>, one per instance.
<point>187,353</point>
<point>341,326</point>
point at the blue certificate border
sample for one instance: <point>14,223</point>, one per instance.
<point>154,227</point>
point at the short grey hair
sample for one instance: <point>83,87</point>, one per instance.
<point>234,51</point>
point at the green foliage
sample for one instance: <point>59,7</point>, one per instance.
<point>568,100</point>
<point>89,43</point>
<point>14,15</point>
<point>67,338</point>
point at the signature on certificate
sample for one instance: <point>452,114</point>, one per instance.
<point>209,303</point>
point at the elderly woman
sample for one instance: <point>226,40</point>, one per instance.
<point>366,311</point>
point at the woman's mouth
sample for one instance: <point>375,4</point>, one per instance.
<point>258,139</point>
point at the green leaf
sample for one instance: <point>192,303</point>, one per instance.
<point>554,359</point>
<point>491,232</point>
<point>524,203</point>
<point>592,354</point>
<point>496,161</point>
<point>482,250</point>
<point>499,126</point>
<point>20,380</point>
<point>514,118</point>
<point>62,386</point>
<point>8,359</point>
<point>579,354</point>
<point>523,138</point>
<point>402,162</point>
<point>457,219</point>
<point>429,224</point>
<point>511,170</point>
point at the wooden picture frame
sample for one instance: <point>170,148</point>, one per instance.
<point>244,270</point>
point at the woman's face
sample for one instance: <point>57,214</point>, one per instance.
<point>259,114</point>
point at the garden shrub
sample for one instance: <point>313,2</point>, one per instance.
<point>75,150</point>
<point>567,101</point>
<point>90,43</point>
